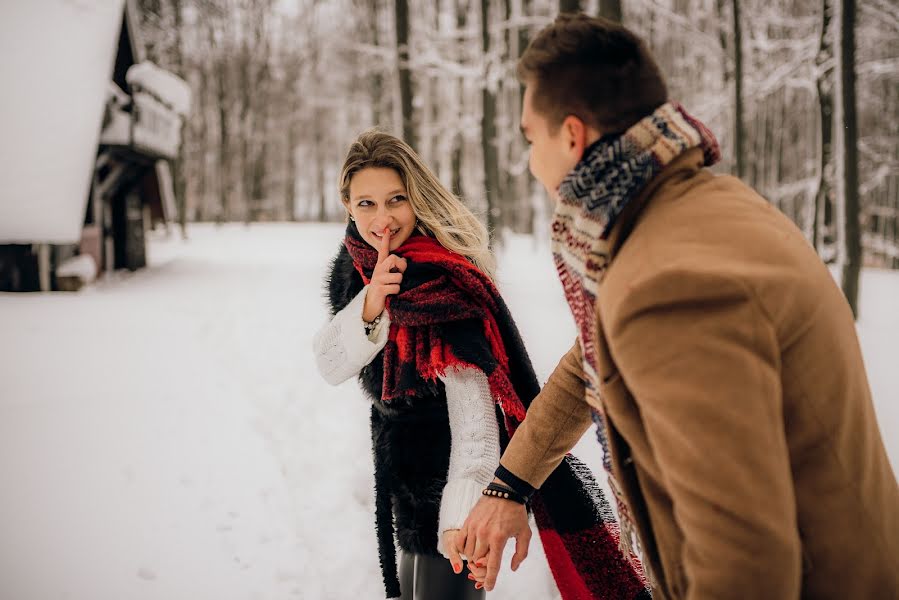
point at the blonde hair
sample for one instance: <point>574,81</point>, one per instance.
<point>440,213</point>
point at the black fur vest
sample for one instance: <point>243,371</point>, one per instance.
<point>411,442</point>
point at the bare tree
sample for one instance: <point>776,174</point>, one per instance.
<point>824,86</point>
<point>739,127</point>
<point>220,39</point>
<point>849,211</point>
<point>179,166</point>
<point>488,128</point>
<point>377,75</point>
<point>569,6</point>
<point>610,9</point>
<point>401,15</point>
<point>458,148</point>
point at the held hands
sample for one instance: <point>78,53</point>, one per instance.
<point>483,538</point>
<point>385,279</point>
<point>478,571</point>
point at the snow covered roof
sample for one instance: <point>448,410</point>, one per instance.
<point>57,58</point>
<point>166,86</point>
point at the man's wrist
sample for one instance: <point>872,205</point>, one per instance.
<point>513,482</point>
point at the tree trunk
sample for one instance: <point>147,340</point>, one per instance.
<point>824,84</point>
<point>524,184</point>
<point>610,9</point>
<point>224,212</point>
<point>458,147</point>
<point>847,158</point>
<point>377,77</point>
<point>247,124</point>
<point>180,163</point>
<point>320,167</point>
<point>508,103</point>
<point>488,132</point>
<point>401,14</point>
<point>290,170</point>
<point>739,127</point>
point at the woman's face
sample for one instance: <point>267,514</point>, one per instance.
<point>378,201</point>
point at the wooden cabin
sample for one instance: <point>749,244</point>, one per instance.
<point>99,175</point>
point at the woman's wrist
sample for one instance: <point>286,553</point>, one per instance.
<point>370,310</point>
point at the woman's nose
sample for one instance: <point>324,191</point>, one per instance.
<point>382,218</point>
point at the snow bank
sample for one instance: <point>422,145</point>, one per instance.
<point>82,266</point>
<point>186,447</point>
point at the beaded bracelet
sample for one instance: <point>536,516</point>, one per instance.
<point>496,490</point>
<point>370,325</point>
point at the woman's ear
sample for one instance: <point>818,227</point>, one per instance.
<point>349,213</point>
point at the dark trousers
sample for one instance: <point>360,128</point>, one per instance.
<point>431,578</point>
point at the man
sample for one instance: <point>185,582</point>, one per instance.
<point>719,355</point>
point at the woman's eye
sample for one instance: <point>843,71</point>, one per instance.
<point>398,198</point>
<point>364,203</point>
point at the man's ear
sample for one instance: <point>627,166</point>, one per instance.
<point>575,135</point>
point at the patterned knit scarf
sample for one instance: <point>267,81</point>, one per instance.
<point>611,173</point>
<point>442,294</point>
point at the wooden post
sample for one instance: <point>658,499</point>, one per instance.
<point>43,266</point>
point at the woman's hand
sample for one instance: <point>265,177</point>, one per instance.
<point>478,572</point>
<point>449,544</point>
<point>385,280</point>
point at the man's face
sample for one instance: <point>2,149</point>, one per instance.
<point>554,152</point>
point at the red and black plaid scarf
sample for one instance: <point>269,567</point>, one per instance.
<point>441,288</point>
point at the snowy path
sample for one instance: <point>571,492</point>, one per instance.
<point>165,435</point>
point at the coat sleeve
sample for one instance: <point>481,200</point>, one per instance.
<point>341,346</point>
<point>555,422</point>
<point>701,360</point>
<point>474,446</point>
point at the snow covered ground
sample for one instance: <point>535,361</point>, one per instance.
<point>165,435</point>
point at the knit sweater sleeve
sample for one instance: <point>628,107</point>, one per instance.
<point>342,347</point>
<point>474,446</point>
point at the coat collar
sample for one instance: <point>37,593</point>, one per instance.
<point>683,167</point>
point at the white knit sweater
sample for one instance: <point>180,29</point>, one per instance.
<point>341,350</point>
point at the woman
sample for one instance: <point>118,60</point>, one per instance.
<point>416,315</point>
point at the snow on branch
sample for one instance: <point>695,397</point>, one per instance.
<point>709,39</point>
<point>805,188</point>
<point>168,87</point>
<point>884,12</point>
<point>878,67</point>
<point>785,74</point>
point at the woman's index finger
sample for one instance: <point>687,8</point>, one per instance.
<point>384,249</point>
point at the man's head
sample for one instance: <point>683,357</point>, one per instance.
<point>584,77</point>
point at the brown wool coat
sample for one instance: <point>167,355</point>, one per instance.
<point>740,419</point>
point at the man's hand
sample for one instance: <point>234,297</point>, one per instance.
<point>485,532</point>
<point>385,280</point>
